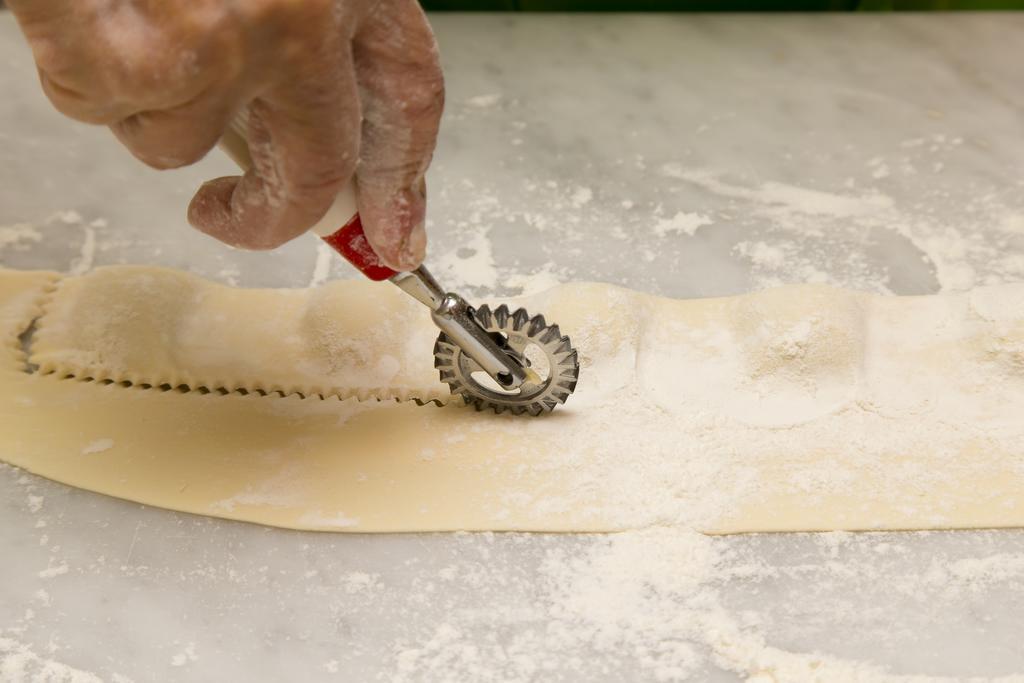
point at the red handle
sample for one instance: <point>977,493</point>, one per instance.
<point>351,243</point>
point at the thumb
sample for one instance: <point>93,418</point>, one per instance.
<point>402,95</point>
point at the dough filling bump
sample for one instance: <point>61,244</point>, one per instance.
<point>800,408</point>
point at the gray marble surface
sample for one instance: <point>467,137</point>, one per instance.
<point>686,155</point>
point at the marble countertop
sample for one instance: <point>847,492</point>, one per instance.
<point>687,155</point>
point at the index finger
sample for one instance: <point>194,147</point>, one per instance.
<point>304,143</point>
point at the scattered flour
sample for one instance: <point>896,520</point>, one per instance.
<point>52,571</point>
<point>22,236</point>
<point>1013,224</point>
<point>538,281</point>
<point>67,217</point>
<point>185,656</point>
<point>654,598</point>
<point>321,521</point>
<point>98,446</point>
<point>581,197</point>
<point>83,263</point>
<point>19,236</point>
<point>762,255</point>
<point>879,168</point>
<point>852,235</point>
<point>655,604</point>
<point>785,198</point>
<point>359,582</point>
<point>322,268</point>
<point>484,101</point>
<point>229,275</point>
<point>681,224</point>
<point>964,241</point>
<point>471,265</point>
<point>20,664</point>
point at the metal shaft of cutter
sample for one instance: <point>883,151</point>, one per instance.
<point>454,316</point>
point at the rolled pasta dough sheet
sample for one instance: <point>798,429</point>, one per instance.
<point>801,408</point>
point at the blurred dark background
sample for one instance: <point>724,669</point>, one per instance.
<point>717,5</point>
<point>713,5</point>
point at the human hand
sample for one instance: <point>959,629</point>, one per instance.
<point>336,89</point>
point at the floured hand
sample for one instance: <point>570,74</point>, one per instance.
<point>336,88</point>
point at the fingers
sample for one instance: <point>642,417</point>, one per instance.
<point>77,105</point>
<point>176,137</point>
<point>64,40</point>
<point>32,11</point>
<point>166,76</point>
<point>103,61</point>
<point>304,144</point>
<point>402,94</point>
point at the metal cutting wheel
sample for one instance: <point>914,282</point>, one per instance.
<point>551,363</point>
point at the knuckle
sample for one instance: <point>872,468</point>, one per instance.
<point>416,99</point>
<point>313,177</point>
<point>385,176</point>
<point>428,96</point>
<point>52,62</point>
<point>179,58</point>
<point>73,105</point>
<point>318,183</point>
<point>157,143</point>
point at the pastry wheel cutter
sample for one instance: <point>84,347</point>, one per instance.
<point>499,359</point>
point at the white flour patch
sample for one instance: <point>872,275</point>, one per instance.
<point>879,168</point>
<point>471,265</point>
<point>484,101</point>
<point>538,281</point>
<point>53,571</point>
<point>322,267</point>
<point>83,263</point>
<point>863,239</point>
<point>229,275</point>
<point>359,582</point>
<point>681,224</point>
<point>788,198</point>
<point>1013,224</point>
<point>98,446</point>
<point>186,656</point>
<point>68,217</point>
<point>581,197</point>
<point>762,255</point>
<point>19,236</point>
<point>319,520</point>
<point>20,664</point>
<point>279,490</point>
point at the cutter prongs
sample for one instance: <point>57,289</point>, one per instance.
<point>529,340</point>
